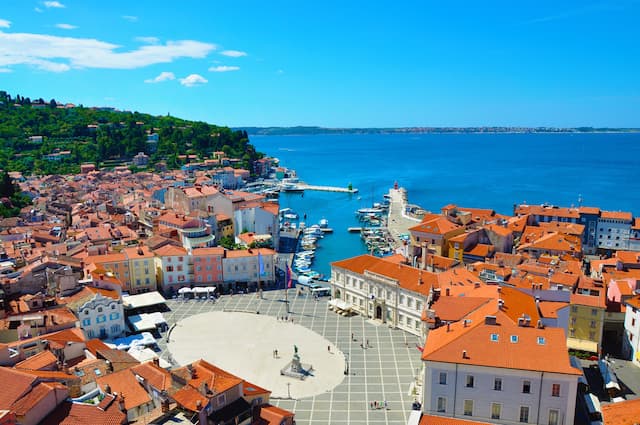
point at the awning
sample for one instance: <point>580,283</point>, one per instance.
<point>147,321</point>
<point>582,345</point>
<point>143,300</point>
<point>203,289</point>
<point>184,291</point>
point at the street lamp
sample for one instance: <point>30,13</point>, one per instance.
<point>346,364</point>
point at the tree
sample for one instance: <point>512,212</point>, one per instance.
<point>7,189</point>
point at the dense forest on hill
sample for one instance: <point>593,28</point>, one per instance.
<point>104,136</point>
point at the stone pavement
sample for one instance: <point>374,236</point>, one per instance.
<point>385,371</point>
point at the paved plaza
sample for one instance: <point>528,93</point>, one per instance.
<point>385,371</point>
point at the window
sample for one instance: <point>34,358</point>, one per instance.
<point>99,309</point>
<point>86,313</point>
<point>494,337</point>
<point>592,335</point>
<point>524,414</point>
<point>101,318</point>
<point>169,268</point>
<point>496,409</point>
<point>574,309</point>
<point>497,384</point>
<point>221,400</point>
<point>592,324</point>
<point>541,340</point>
<point>526,387</point>
<point>553,417</point>
<point>97,372</point>
<point>86,322</point>
<point>468,408</point>
<point>113,306</point>
<point>469,381</point>
<point>443,378</point>
<point>114,316</point>
<point>442,405</point>
<point>514,338</point>
<point>79,372</point>
<point>633,322</point>
<point>555,390</point>
<point>572,333</point>
<point>115,329</point>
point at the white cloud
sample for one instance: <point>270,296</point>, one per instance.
<point>164,76</point>
<point>233,53</point>
<point>54,53</point>
<point>37,9</point>
<point>66,26</point>
<point>4,23</point>
<point>130,18</point>
<point>193,80</point>
<point>224,68</point>
<point>5,70</point>
<point>54,4</point>
<point>148,40</point>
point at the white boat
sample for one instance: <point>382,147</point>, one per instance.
<point>291,216</point>
<point>324,223</point>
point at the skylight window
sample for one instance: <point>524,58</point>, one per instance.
<point>514,338</point>
<point>541,340</point>
<point>494,337</point>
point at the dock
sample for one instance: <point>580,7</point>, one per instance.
<point>354,229</point>
<point>326,229</point>
<point>305,186</point>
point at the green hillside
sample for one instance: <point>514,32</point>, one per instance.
<point>104,136</point>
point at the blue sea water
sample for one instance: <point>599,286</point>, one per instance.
<point>473,170</point>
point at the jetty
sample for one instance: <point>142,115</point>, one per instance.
<point>305,186</point>
<point>398,221</point>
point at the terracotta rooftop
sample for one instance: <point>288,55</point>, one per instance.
<point>125,383</point>
<point>453,309</point>
<point>68,413</point>
<point>38,361</point>
<point>503,345</point>
<point>622,413</point>
<point>156,376</point>
<point>443,420</point>
<point>21,383</point>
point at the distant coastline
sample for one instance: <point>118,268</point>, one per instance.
<point>310,130</point>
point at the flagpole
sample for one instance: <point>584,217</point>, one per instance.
<point>287,285</point>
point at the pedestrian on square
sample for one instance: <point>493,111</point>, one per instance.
<point>385,405</point>
<point>371,405</point>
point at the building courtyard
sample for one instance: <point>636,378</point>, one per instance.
<point>349,374</point>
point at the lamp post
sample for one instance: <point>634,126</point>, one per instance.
<point>346,364</point>
<point>289,390</point>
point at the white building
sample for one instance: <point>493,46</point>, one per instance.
<point>102,317</point>
<point>488,368</point>
<point>391,293</point>
<point>631,339</point>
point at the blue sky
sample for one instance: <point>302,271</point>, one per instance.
<point>332,63</point>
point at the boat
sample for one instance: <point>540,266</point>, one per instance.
<point>370,211</point>
<point>291,216</point>
<point>291,187</point>
<point>323,223</point>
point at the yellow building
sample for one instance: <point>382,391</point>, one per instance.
<point>586,320</point>
<point>142,273</point>
<point>434,234</point>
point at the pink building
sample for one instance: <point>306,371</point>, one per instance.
<point>207,265</point>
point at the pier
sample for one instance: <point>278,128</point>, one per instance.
<point>305,186</point>
<point>398,221</point>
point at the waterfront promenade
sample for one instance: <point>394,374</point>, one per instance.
<point>385,371</point>
<point>398,222</point>
<point>305,186</point>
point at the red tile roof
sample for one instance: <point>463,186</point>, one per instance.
<point>125,384</point>
<point>38,361</point>
<point>447,344</point>
<point>622,413</point>
<point>443,420</point>
<point>67,413</point>
<point>21,383</point>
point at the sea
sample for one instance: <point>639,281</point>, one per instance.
<point>480,170</point>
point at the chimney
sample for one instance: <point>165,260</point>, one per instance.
<point>539,324</point>
<point>448,326</point>
<point>500,303</point>
<point>447,291</point>
<point>490,320</point>
<point>121,404</point>
<point>464,354</point>
<point>107,388</point>
<point>198,405</point>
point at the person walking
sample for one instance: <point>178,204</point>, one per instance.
<point>385,405</point>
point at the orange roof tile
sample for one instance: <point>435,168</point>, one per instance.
<point>439,226</point>
<point>516,347</point>
<point>549,309</point>
<point>273,414</point>
<point>622,413</point>
<point>68,413</point>
<point>453,309</point>
<point>21,383</point>
<point>616,215</point>
<point>170,251</point>
<point>516,303</point>
<point>443,420</point>
<point>188,397</point>
<point>33,398</point>
<point>598,301</point>
<point>38,361</point>
<point>156,376</point>
<point>125,384</point>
